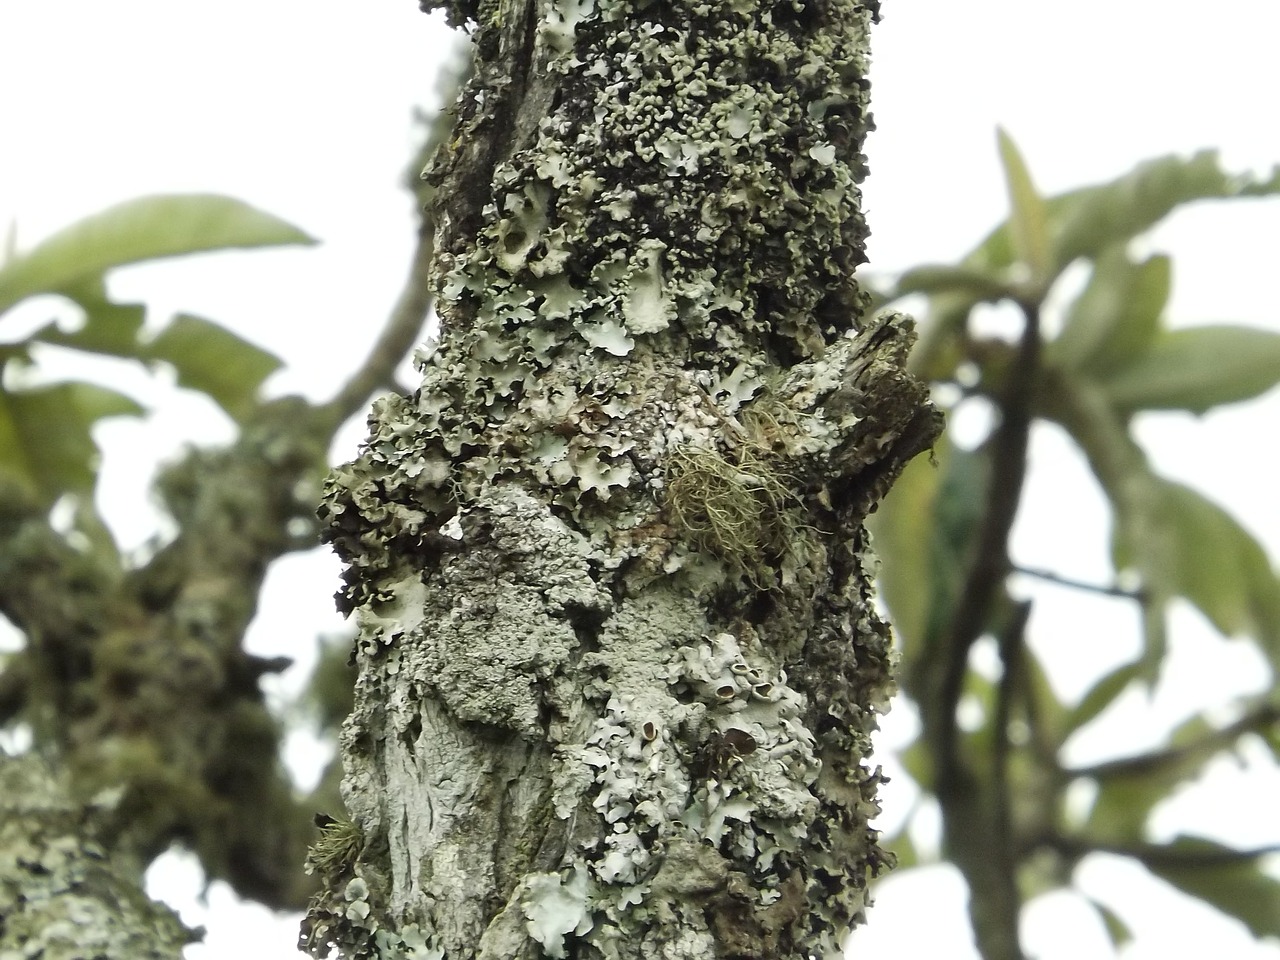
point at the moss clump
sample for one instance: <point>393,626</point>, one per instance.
<point>734,509</point>
<point>335,852</point>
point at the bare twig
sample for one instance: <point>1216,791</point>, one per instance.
<point>1147,764</point>
<point>1160,855</point>
<point>1011,653</point>
<point>403,330</point>
<point>1050,577</point>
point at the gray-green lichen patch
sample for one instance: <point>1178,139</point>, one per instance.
<point>619,659</point>
<point>61,897</point>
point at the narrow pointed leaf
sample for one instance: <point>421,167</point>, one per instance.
<point>1028,220</point>
<point>1101,695</point>
<point>1116,316</point>
<point>1117,929</point>
<point>213,360</point>
<point>1198,368</point>
<point>147,228</point>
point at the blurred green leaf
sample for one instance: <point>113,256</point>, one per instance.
<point>1117,929</point>
<point>1121,808</point>
<point>902,527</point>
<point>215,361</point>
<point>45,441</point>
<point>943,279</point>
<point>1087,221</point>
<point>1101,695</point>
<point>1094,218</point>
<point>1238,889</point>
<point>1049,715</point>
<point>923,531</point>
<point>147,228</point>
<point>1115,317</point>
<point>1184,545</point>
<point>1129,788</point>
<point>1196,369</point>
<point>917,760</point>
<point>109,327</point>
<point>1028,219</point>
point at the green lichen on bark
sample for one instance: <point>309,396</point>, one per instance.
<point>62,896</point>
<point>584,723</point>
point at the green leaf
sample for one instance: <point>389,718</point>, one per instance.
<point>903,532</point>
<point>922,531</point>
<point>109,327</point>
<point>1196,369</point>
<point>1184,545</point>
<point>1129,788</point>
<point>1028,220</point>
<point>45,441</point>
<point>1239,889</point>
<point>1116,316</point>
<point>1101,695</point>
<point>1117,929</point>
<point>147,228</point>
<point>934,279</point>
<point>1051,715</point>
<point>1087,221</point>
<point>215,361</point>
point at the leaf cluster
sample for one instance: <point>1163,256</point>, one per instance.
<point>943,535</point>
<point>45,440</point>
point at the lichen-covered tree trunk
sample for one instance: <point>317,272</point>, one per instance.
<point>618,659</point>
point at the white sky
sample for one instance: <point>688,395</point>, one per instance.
<point>302,107</point>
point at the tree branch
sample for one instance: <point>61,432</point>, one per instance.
<point>1147,764</point>
<point>975,803</point>
<point>1160,855</point>
<point>1050,577</point>
<point>398,337</point>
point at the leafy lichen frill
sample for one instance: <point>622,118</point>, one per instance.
<point>581,716</point>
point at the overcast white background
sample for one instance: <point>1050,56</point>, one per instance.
<point>303,107</point>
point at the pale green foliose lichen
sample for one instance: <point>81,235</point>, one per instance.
<point>659,274</point>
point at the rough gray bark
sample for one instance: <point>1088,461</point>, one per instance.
<point>619,664</point>
<point>136,681</point>
<point>63,895</point>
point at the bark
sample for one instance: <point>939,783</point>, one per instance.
<point>619,663</point>
<point>63,896</point>
<point>135,680</point>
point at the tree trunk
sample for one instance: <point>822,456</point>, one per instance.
<point>619,664</point>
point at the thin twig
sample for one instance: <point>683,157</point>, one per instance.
<point>990,562</point>
<point>1050,577</point>
<point>403,330</point>
<point>1159,855</point>
<point>1011,646</point>
<point>1147,763</point>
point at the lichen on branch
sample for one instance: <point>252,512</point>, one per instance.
<point>619,665</point>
